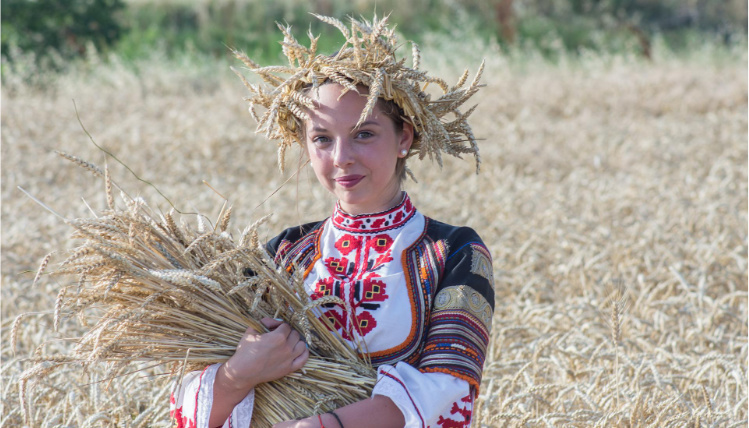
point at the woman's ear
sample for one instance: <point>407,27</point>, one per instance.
<point>406,137</point>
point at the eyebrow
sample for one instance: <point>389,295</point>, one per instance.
<point>368,122</point>
<point>363,124</point>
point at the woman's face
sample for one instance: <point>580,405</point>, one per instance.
<point>356,164</point>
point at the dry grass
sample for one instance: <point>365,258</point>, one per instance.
<point>613,196</point>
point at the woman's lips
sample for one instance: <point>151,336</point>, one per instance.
<point>349,181</point>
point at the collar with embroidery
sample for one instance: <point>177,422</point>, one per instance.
<point>393,218</point>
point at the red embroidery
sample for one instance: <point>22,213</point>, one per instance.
<point>372,223</point>
<point>380,243</point>
<point>324,287</point>
<point>463,412</point>
<point>354,279</point>
<point>365,323</point>
<point>337,267</point>
<point>337,320</point>
<point>348,243</point>
<point>373,290</point>
<point>381,260</point>
<point>178,420</point>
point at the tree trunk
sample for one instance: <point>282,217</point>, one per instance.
<point>642,38</point>
<point>505,16</point>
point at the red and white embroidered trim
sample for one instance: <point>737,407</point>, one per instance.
<point>373,223</point>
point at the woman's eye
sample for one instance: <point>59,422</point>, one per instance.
<point>364,134</point>
<point>320,139</point>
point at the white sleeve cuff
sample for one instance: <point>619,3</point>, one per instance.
<point>425,399</point>
<point>194,400</point>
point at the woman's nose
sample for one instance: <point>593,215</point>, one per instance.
<point>342,154</point>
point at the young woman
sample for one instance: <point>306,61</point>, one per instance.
<point>418,292</point>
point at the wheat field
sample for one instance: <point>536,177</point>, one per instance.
<point>612,195</point>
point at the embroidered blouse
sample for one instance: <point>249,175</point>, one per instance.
<point>418,295</point>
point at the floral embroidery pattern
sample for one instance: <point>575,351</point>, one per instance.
<point>362,247</point>
<point>460,411</point>
<point>354,278</point>
<point>178,420</point>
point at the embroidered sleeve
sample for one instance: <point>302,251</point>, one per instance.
<point>295,246</point>
<point>279,245</point>
<point>461,316</point>
<point>190,406</point>
<point>426,399</point>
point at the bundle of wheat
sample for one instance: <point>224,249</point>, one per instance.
<point>164,293</point>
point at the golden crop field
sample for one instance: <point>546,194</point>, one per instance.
<point>612,194</point>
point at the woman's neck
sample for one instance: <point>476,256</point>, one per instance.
<point>356,209</point>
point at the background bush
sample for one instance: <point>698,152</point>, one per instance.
<point>62,26</point>
<point>134,28</point>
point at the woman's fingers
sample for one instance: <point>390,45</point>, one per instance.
<point>270,323</point>
<point>263,357</point>
<point>281,331</point>
<point>293,337</point>
<point>298,362</point>
<point>250,331</point>
<point>298,352</point>
<point>299,347</point>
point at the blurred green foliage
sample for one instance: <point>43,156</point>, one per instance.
<point>212,26</point>
<point>137,28</point>
<point>65,27</point>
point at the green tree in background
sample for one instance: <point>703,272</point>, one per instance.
<point>137,29</point>
<point>65,26</point>
<point>588,23</point>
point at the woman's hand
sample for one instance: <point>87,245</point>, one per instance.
<point>304,423</point>
<point>258,358</point>
<point>311,422</point>
<point>376,412</point>
<point>265,357</point>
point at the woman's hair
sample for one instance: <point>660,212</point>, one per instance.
<point>390,109</point>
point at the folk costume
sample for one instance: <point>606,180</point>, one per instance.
<point>418,294</point>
